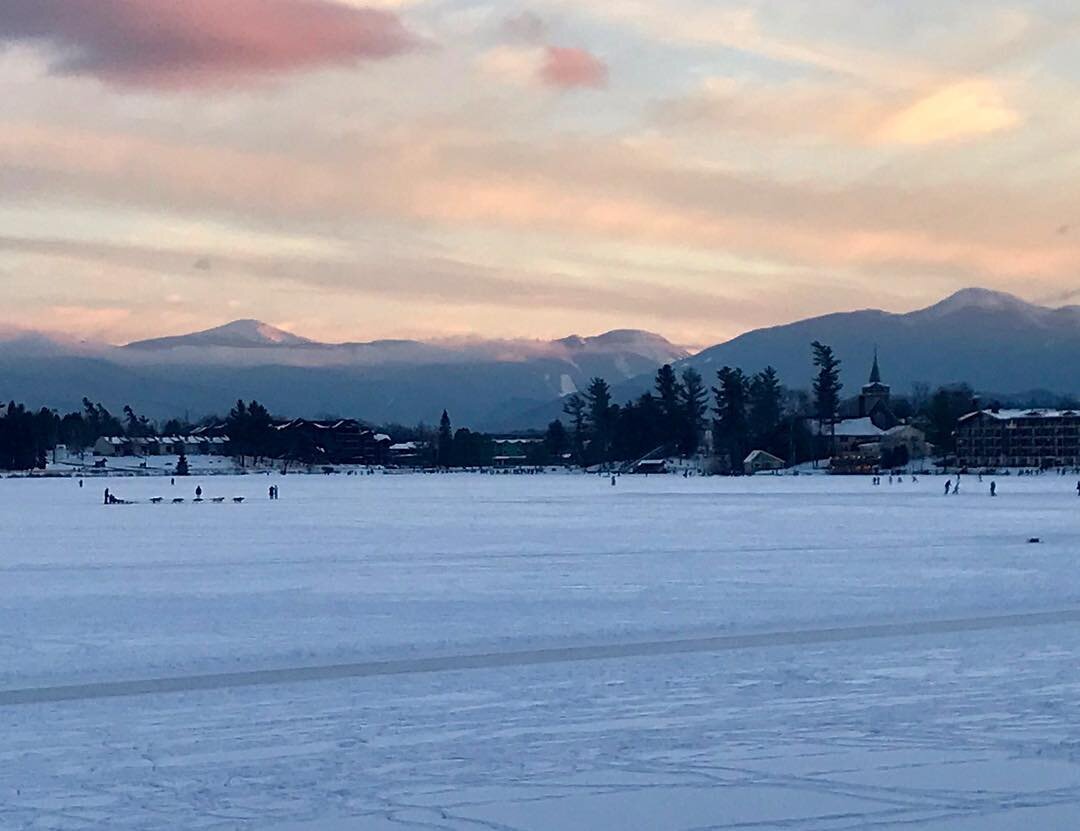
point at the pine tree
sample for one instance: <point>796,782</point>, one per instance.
<point>766,408</point>
<point>182,465</point>
<point>668,394</point>
<point>445,452</point>
<point>693,407</point>
<point>827,386</point>
<point>556,441</point>
<point>574,407</point>
<point>602,417</point>
<point>731,419</point>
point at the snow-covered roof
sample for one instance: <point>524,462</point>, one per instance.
<point>761,454</point>
<point>1009,415</point>
<point>851,428</point>
<point>405,446</point>
<point>382,437</point>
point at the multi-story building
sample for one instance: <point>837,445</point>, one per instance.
<point>1019,438</point>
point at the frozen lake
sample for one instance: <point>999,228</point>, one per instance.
<point>548,652</point>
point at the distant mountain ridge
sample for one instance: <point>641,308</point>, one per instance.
<point>989,339</point>
<point>997,342</point>
<point>247,341</point>
<point>240,334</point>
<point>481,381</point>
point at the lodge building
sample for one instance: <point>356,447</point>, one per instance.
<point>1019,438</point>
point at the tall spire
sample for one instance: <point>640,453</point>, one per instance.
<point>875,373</point>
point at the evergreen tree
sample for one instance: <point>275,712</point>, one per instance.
<point>693,407</point>
<point>942,412</point>
<point>250,428</point>
<point>638,429</point>
<point>182,465</point>
<point>134,426</point>
<point>827,388</point>
<point>176,427</point>
<point>574,407</point>
<point>556,441</point>
<point>827,384</point>
<point>445,452</point>
<point>766,409</point>
<point>601,419</point>
<point>668,395</point>
<point>731,426</point>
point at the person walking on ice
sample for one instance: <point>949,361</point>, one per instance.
<point>948,486</point>
<point>993,488</point>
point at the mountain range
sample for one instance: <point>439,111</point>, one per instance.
<point>482,382</point>
<point>994,341</point>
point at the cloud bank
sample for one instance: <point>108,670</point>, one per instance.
<point>200,43</point>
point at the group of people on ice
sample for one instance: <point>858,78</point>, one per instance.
<point>894,479</point>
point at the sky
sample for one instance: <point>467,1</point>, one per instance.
<point>361,169</point>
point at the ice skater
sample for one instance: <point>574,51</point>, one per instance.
<point>948,486</point>
<point>993,488</point>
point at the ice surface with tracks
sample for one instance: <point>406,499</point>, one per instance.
<point>540,652</point>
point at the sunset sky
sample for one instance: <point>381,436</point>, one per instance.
<point>358,169</point>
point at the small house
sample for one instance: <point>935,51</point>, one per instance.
<point>761,461</point>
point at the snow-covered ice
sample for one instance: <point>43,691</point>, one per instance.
<point>540,652</point>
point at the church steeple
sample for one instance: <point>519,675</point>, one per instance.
<point>875,373</point>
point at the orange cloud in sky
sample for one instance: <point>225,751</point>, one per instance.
<point>955,111</point>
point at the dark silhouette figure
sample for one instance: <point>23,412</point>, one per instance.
<point>948,486</point>
<point>107,495</point>
<point>993,488</point>
<point>198,492</point>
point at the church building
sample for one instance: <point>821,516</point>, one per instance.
<point>873,401</point>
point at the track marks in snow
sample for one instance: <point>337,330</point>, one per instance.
<point>531,657</point>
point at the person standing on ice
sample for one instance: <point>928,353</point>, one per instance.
<point>993,488</point>
<point>198,491</point>
<point>948,486</point>
<point>107,496</point>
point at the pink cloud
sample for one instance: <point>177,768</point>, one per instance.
<point>571,68</point>
<point>185,43</point>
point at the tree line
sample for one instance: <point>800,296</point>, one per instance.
<point>743,411</point>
